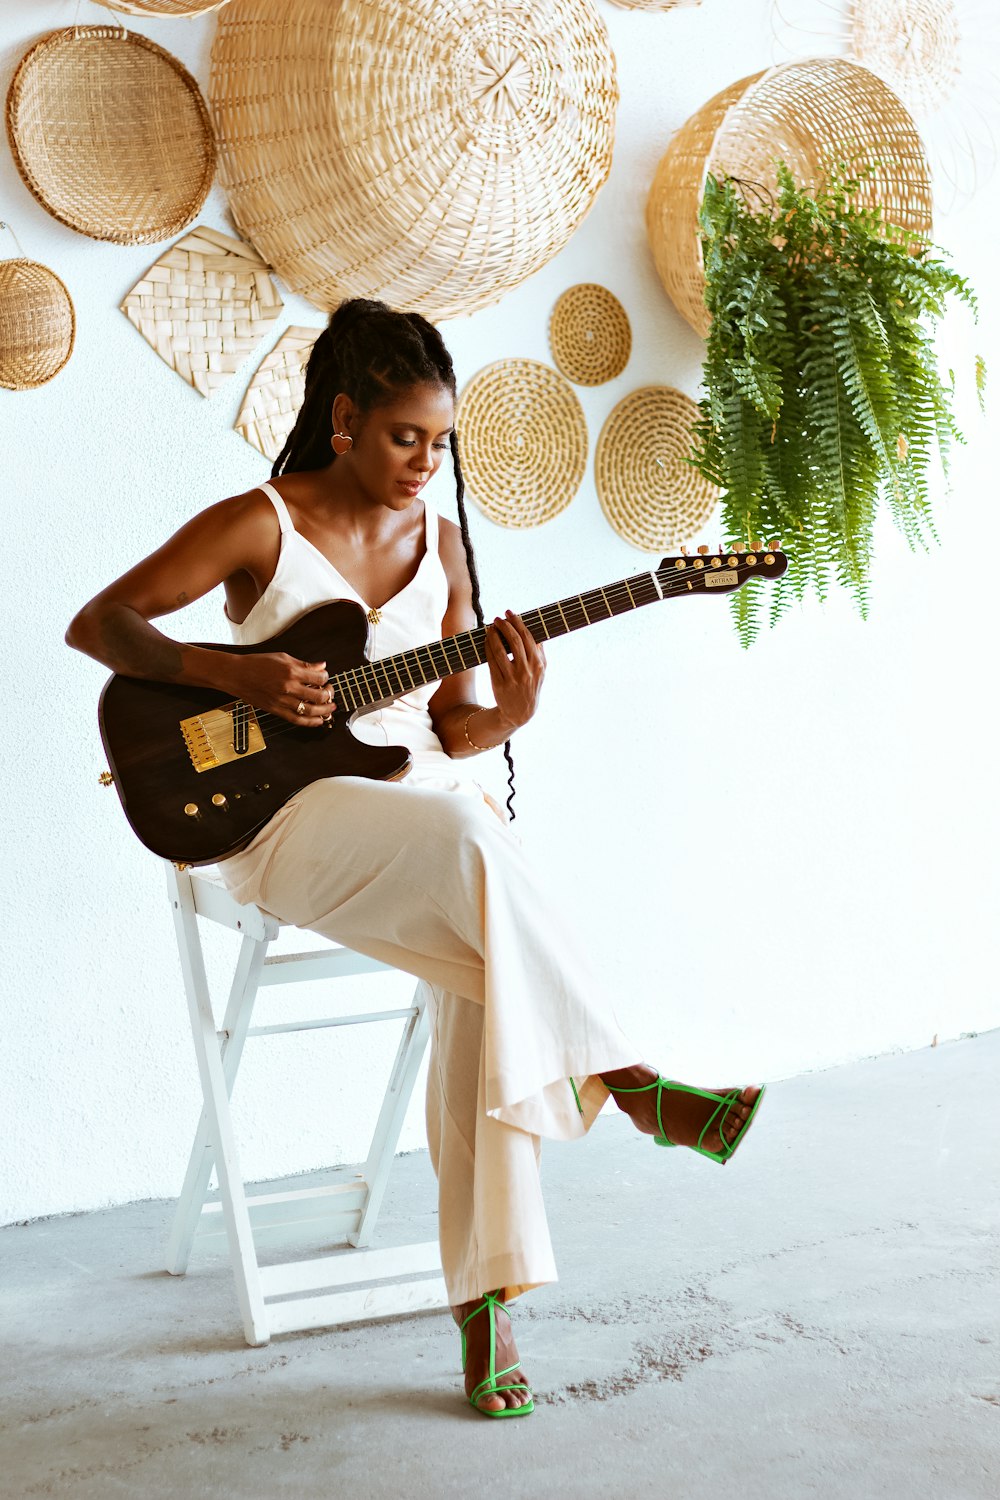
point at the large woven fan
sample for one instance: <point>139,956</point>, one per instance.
<point>204,305</point>
<point>942,58</point>
<point>428,152</point>
<point>275,393</point>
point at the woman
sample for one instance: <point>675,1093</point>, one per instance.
<point>422,873</point>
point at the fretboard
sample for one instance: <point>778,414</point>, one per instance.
<point>390,677</point>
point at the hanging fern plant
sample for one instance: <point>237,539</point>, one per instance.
<point>823,395</point>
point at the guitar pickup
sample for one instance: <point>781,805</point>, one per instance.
<point>222,735</point>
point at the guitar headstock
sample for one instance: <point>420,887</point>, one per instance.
<point>722,571</point>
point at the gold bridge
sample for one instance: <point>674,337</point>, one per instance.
<point>222,735</point>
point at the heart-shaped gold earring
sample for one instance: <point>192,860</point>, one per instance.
<point>340,442</point>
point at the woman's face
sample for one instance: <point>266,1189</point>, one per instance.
<point>399,446</point>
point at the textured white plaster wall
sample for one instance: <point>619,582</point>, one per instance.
<point>778,860</point>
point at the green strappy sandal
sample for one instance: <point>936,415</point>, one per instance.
<point>725,1103</point>
<point>489,1387</point>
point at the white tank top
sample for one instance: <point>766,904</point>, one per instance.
<point>304,578</point>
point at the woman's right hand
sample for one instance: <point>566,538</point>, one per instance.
<point>280,684</point>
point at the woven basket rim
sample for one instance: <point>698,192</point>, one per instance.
<point>183,12</point>
<point>58,37</point>
<point>27,260</point>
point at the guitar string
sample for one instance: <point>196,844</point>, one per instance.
<point>673,585</point>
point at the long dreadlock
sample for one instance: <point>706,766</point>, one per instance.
<point>373,353</point>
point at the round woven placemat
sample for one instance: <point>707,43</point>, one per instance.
<point>110,134</point>
<point>37,324</point>
<point>163,7</point>
<point>589,334</point>
<point>430,152</point>
<point>523,440</point>
<point>649,494</point>
<point>809,114</point>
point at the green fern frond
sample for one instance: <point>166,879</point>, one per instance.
<point>823,399</point>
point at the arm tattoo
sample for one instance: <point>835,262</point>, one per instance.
<point>136,649</point>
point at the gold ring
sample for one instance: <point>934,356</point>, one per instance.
<point>301,708</point>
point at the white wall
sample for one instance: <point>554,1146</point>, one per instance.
<point>788,855</point>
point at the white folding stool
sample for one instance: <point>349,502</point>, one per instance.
<point>360,1283</point>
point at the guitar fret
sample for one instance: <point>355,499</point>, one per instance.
<point>415,659</point>
<point>449,641</point>
<point>406,669</point>
<point>385,689</point>
<point>347,689</point>
<point>437,665</point>
<point>370,677</point>
<point>541,620</point>
<point>583,607</point>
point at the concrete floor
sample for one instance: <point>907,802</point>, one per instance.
<point>821,1319</point>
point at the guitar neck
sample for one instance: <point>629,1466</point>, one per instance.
<point>375,682</point>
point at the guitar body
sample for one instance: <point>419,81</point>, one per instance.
<point>154,759</point>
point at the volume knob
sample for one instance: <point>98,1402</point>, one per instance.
<point>219,800</point>
<point>192,809</point>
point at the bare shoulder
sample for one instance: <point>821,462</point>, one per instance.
<point>451,547</point>
<point>249,516</point>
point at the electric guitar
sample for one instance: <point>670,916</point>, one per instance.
<point>199,774</point>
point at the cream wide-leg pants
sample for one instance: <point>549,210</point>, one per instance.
<point>434,883</point>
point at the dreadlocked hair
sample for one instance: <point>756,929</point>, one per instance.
<point>373,354</point>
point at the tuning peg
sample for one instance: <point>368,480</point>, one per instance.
<point>758,545</point>
<point>702,551</point>
<point>684,552</point>
<point>773,545</point>
<point>739,546</point>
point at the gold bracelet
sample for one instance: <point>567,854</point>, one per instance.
<point>482,709</point>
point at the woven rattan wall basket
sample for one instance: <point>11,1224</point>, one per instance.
<point>429,152</point>
<point>37,324</point>
<point>111,135</point>
<point>809,114</point>
<point>163,7</point>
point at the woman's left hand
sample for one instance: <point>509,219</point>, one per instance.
<point>517,677</point>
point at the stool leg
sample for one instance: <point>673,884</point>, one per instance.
<point>239,1013</point>
<point>409,1055</point>
<point>220,1127</point>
